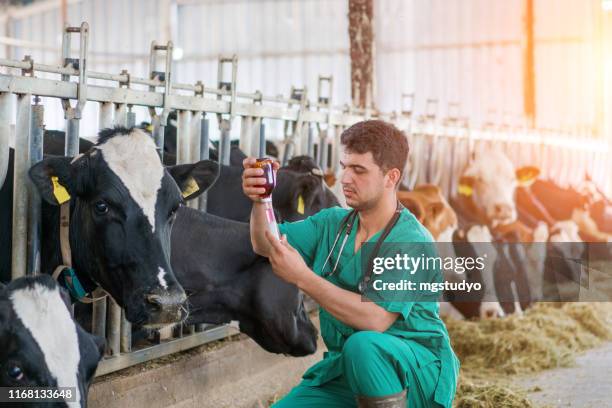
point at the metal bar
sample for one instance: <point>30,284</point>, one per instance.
<point>195,138</point>
<point>224,146</point>
<point>323,150</point>
<point>109,365</point>
<point>255,135</point>
<point>131,118</point>
<point>310,145</point>
<point>114,328</point>
<point>5,133</point>
<point>72,137</point>
<point>120,114</point>
<point>262,140</point>
<point>183,131</point>
<point>20,192</point>
<point>34,220</point>
<point>246,130</point>
<point>126,334</point>
<point>105,115</point>
<point>204,155</point>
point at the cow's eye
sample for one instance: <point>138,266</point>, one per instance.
<point>15,372</point>
<point>101,208</point>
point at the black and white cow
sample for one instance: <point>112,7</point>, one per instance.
<point>40,343</point>
<point>300,192</point>
<point>122,205</point>
<point>214,261</point>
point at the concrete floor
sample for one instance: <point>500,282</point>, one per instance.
<point>587,384</point>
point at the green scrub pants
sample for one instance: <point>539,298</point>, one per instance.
<point>374,365</point>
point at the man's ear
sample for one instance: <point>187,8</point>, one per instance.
<point>395,176</point>
<point>53,178</point>
<point>194,179</point>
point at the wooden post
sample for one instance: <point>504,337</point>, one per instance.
<point>529,80</point>
<point>361,36</point>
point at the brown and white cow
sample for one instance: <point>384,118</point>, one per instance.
<point>429,206</point>
<point>487,196</point>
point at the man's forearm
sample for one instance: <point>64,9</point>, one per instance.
<point>347,306</point>
<point>258,226</point>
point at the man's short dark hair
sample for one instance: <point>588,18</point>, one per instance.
<point>388,144</point>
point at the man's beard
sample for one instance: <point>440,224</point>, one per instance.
<point>364,205</point>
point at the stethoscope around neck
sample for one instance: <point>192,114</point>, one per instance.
<point>347,224</point>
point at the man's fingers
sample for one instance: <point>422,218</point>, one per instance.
<point>252,172</point>
<point>254,191</point>
<point>276,245</point>
<point>254,181</point>
<point>248,162</point>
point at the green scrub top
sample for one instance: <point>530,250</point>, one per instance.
<point>419,322</point>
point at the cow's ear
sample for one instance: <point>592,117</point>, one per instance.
<point>194,179</point>
<point>435,209</point>
<point>414,206</point>
<point>53,177</point>
<point>466,185</point>
<point>527,175</point>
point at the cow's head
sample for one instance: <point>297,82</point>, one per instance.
<point>429,206</point>
<point>301,191</point>
<point>491,181</point>
<point>123,203</point>
<point>40,343</point>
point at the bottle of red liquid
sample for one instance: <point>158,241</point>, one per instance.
<point>266,197</point>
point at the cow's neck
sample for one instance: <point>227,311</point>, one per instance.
<point>467,211</point>
<point>51,254</point>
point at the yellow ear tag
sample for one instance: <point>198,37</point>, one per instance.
<point>190,188</point>
<point>149,128</point>
<point>527,175</point>
<point>300,206</point>
<point>465,190</point>
<point>59,191</point>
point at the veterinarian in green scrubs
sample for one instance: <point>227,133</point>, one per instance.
<point>390,352</point>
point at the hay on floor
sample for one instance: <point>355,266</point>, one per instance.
<point>548,335</point>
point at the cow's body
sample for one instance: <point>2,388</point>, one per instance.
<point>40,344</point>
<point>551,203</point>
<point>214,261</point>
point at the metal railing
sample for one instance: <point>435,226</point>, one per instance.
<point>438,150</point>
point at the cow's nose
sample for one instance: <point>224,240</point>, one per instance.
<point>168,307</point>
<point>502,209</point>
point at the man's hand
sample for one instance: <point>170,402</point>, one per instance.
<point>286,262</point>
<point>251,178</point>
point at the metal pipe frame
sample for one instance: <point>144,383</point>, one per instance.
<point>5,134</point>
<point>183,140</point>
<point>20,190</point>
<point>34,214</point>
<point>204,155</point>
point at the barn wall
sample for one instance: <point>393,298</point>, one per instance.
<point>470,51</point>
<point>280,43</point>
<point>467,52</point>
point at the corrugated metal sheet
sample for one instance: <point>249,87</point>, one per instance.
<point>470,52</point>
<point>467,51</point>
<point>279,43</point>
